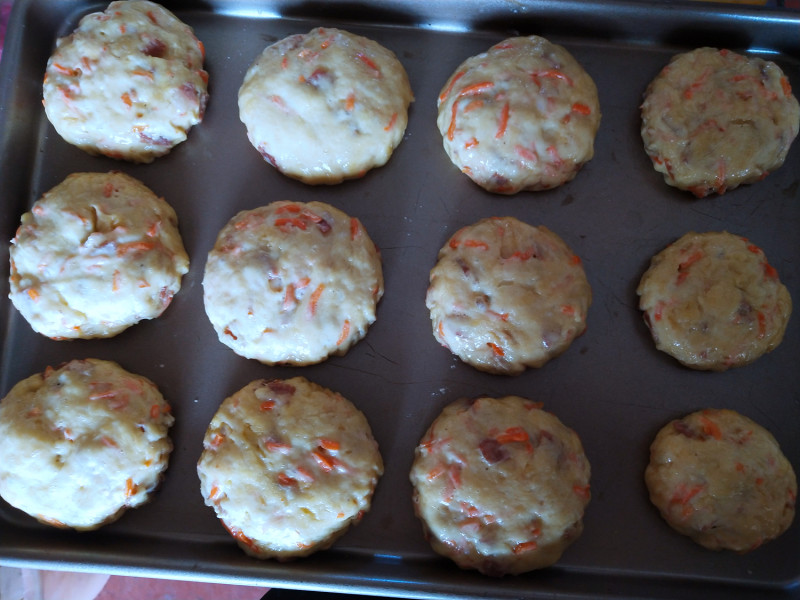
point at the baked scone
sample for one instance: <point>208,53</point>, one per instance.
<point>721,479</point>
<point>82,443</point>
<point>292,283</point>
<point>325,106</point>
<point>500,485</point>
<point>712,301</point>
<point>714,119</point>
<point>96,254</point>
<point>505,295</point>
<point>128,83</point>
<point>288,466</point>
<point>521,116</point>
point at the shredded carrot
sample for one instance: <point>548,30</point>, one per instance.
<point>523,547</point>
<point>284,62</point>
<point>449,88</point>
<point>762,325</point>
<point>583,491</point>
<point>472,105</point>
<point>155,411</point>
<point>314,300</point>
<point>345,332</point>
<point>470,143</point>
<point>769,271</point>
<point>368,61</point>
<point>273,446</point>
<point>550,74</point>
<point>391,123</point>
<point>64,70</point>
<point>350,102</point>
<point>284,479</point>
<point>142,73</point>
<point>202,48</point>
<point>267,405</point>
<point>285,223</point>
<point>451,130</point>
<point>323,460</point>
<point>501,130</point>
<point>126,98</point>
<point>568,310</point>
<point>575,260</point>
<point>476,244</point>
<point>123,249</point>
<point>227,331</point>
<point>476,88</point>
<point>513,434</point>
<point>152,17</point>
<point>786,86</point>
<point>328,444</point>
<point>217,440</point>
<point>496,349</point>
<point>581,109</point>
<point>354,228</point>
<point>683,494</point>
<point>115,281</point>
<point>33,294</point>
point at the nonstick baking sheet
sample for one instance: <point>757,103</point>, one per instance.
<point>612,386</point>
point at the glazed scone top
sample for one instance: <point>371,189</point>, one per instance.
<point>292,282</point>
<point>82,442</point>
<point>96,254</point>
<point>325,106</point>
<point>713,301</point>
<point>128,83</point>
<point>500,484</point>
<point>505,295</point>
<point>521,116</point>
<point>722,479</point>
<point>714,119</point>
<point>288,465</point>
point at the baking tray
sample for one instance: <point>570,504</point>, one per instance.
<point>611,386</point>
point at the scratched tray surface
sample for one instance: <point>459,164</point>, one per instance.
<point>611,386</point>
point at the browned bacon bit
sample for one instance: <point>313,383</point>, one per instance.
<point>155,48</point>
<point>492,451</point>
<point>281,387</point>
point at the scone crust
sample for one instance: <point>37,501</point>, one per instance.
<point>96,254</point>
<point>128,83</point>
<point>713,120</point>
<point>500,485</point>
<point>82,443</point>
<point>521,116</point>
<point>712,301</point>
<point>292,283</point>
<point>505,295</point>
<point>288,466</point>
<point>721,479</point>
<point>325,106</point>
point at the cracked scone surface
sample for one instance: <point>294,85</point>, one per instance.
<point>713,120</point>
<point>712,301</point>
<point>82,443</point>
<point>292,283</point>
<point>521,116</point>
<point>128,83</point>
<point>96,254</point>
<point>500,485</point>
<point>288,466</point>
<point>325,106</point>
<point>721,479</point>
<point>505,295</point>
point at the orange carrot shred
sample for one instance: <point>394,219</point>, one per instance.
<point>391,123</point>
<point>525,547</point>
<point>126,98</point>
<point>323,460</point>
<point>345,332</point>
<point>328,444</point>
<point>513,434</point>
<point>267,405</point>
<point>496,349</point>
<point>449,88</point>
<point>582,490</point>
<point>350,102</point>
<point>501,130</point>
<point>711,428</point>
<point>314,300</point>
<point>155,411</point>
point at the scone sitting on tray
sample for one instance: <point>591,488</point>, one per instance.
<point>500,485</point>
<point>714,119</point>
<point>96,254</point>
<point>721,479</point>
<point>712,301</point>
<point>82,443</point>
<point>325,106</point>
<point>521,116</point>
<point>505,295</point>
<point>128,83</point>
<point>288,466</point>
<point>292,283</point>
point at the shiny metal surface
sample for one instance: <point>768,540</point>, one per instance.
<point>611,386</point>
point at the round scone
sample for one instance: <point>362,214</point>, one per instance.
<point>96,254</point>
<point>325,106</point>
<point>713,120</point>
<point>521,116</point>
<point>82,443</point>
<point>721,479</point>
<point>288,466</point>
<point>505,295</point>
<point>292,283</point>
<point>712,301</point>
<point>128,83</point>
<point>500,485</point>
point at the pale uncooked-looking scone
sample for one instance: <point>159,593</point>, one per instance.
<point>521,116</point>
<point>712,301</point>
<point>82,443</point>
<point>128,83</point>
<point>505,295</point>
<point>714,119</point>
<point>325,106</point>
<point>292,283</point>
<point>96,254</point>
<point>500,485</point>
<point>721,479</point>
<point>288,466</point>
